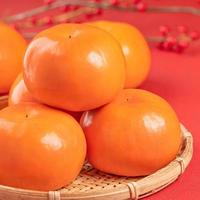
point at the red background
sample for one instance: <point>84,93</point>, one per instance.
<point>176,77</point>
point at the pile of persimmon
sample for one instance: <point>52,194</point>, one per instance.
<point>76,97</point>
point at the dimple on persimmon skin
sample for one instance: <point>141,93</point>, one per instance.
<point>135,49</point>
<point>74,67</point>
<point>134,135</point>
<point>12,49</point>
<point>40,148</point>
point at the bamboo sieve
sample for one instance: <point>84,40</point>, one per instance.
<point>3,101</point>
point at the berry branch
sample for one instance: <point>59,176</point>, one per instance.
<point>60,18</point>
<point>71,11</point>
<point>103,5</point>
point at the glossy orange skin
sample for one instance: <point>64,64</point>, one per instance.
<point>19,92</point>
<point>74,67</point>
<point>12,49</point>
<point>135,48</point>
<point>135,135</point>
<point>40,148</point>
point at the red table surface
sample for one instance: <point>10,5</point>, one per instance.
<point>176,77</point>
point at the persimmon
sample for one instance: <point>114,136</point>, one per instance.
<point>74,67</point>
<point>134,47</point>
<point>20,94</point>
<point>12,49</point>
<point>134,135</point>
<point>40,148</point>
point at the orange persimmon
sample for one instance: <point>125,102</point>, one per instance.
<point>12,49</point>
<point>19,92</point>
<point>74,67</point>
<point>135,49</point>
<point>40,148</point>
<point>134,135</point>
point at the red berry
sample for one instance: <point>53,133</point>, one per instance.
<point>114,2</point>
<point>48,2</point>
<point>172,40</point>
<point>89,15</point>
<point>75,7</point>
<point>194,35</point>
<point>178,49</point>
<point>167,46</point>
<point>33,20</point>
<point>183,44</point>
<point>65,9</point>
<point>164,30</point>
<point>79,21</point>
<point>182,29</point>
<point>15,26</point>
<point>141,7</point>
<point>136,1</point>
<point>99,11</point>
<point>160,45</point>
<point>48,20</point>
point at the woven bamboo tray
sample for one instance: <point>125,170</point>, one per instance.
<point>3,101</point>
<point>95,185</point>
